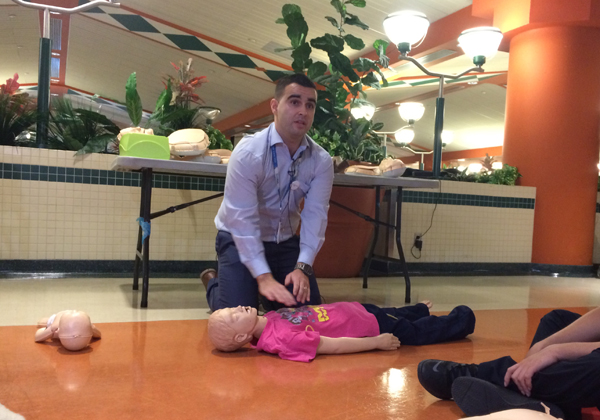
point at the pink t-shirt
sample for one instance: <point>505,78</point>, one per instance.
<point>294,333</point>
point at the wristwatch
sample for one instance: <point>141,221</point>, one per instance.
<point>305,268</point>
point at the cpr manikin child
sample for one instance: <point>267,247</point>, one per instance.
<point>345,327</point>
<point>73,328</point>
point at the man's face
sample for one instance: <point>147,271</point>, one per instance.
<point>294,111</point>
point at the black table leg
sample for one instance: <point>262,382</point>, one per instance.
<point>399,244</point>
<point>138,249</point>
<point>367,264</point>
<point>147,202</point>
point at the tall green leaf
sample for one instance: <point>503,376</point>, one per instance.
<point>354,42</point>
<point>297,27</point>
<point>333,21</point>
<point>316,69</point>
<point>329,43</point>
<point>133,101</point>
<point>301,56</point>
<point>371,80</point>
<point>355,21</point>
<point>289,9</point>
<point>164,99</point>
<point>342,64</point>
<point>339,6</point>
<point>380,46</point>
<point>357,3</point>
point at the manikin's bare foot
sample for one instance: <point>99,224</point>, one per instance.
<point>428,303</point>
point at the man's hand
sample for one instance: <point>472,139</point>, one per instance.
<point>522,372</point>
<point>301,285</point>
<point>387,342</point>
<point>273,290</point>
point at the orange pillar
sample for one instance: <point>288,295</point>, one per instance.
<point>551,135</point>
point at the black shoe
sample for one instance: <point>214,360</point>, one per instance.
<point>436,376</point>
<point>207,275</point>
<point>477,397</point>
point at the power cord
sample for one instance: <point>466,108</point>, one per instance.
<point>418,244</point>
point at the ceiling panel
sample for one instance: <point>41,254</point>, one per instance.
<point>251,25</point>
<point>19,43</point>
<point>105,68</point>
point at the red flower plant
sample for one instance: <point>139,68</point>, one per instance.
<point>185,84</point>
<point>11,86</point>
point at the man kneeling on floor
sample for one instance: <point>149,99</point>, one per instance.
<point>345,327</point>
<point>561,369</point>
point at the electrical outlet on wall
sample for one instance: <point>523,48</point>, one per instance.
<point>418,241</point>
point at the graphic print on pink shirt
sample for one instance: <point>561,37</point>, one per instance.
<point>294,333</point>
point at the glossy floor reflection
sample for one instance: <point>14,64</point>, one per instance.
<point>25,300</point>
<point>168,369</point>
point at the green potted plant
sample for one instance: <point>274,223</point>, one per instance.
<point>80,129</point>
<point>342,83</point>
<point>178,106</point>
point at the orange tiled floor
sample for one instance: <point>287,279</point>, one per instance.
<point>168,370</point>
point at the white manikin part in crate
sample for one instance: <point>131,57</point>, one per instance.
<point>392,168</point>
<point>388,167</point>
<point>363,170</point>
<point>134,130</point>
<point>188,142</point>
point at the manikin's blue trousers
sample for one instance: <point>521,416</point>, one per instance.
<point>234,284</point>
<point>415,327</point>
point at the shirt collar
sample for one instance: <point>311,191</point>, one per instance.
<point>275,138</point>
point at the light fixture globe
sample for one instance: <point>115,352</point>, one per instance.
<point>406,28</point>
<point>364,110</point>
<point>404,135</point>
<point>447,137</point>
<point>480,43</point>
<point>411,111</point>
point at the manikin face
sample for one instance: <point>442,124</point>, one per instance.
<point>294,112</point>
<point>242,319</point>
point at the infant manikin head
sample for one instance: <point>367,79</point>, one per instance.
<point>231,328</point>
<point>75,330</point>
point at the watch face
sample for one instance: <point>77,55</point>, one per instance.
<point>307,269</point>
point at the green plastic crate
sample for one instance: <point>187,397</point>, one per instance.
<point>144,146</point>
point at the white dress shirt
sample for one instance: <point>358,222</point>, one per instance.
<point>256,209</point>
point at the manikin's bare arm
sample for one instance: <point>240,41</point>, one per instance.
<point>43,334</point>
<point>96,332</point>
<point>343,345</point>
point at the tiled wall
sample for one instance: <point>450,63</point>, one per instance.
<point>54,205</point>
<point>472,223</point>
<point>86,212</point>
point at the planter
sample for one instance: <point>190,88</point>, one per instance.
<point>347,237</point>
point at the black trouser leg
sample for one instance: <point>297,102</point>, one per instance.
<point>570,384</point>
<point>424,329</point>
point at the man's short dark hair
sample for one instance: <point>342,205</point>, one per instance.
<point>298,78</point>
